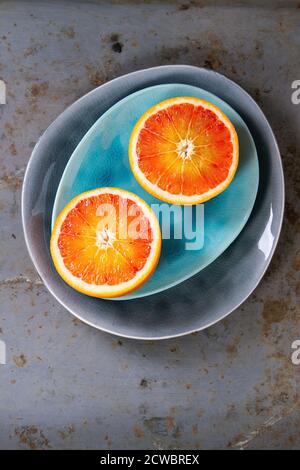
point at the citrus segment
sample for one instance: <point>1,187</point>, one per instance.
<point>106,242</point>
<point>184,150</point>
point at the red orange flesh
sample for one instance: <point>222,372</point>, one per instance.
<point>184,150</point>
<point>106,242</point>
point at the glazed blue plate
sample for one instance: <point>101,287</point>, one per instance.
<point>101,159</point>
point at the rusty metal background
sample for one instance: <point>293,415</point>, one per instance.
<point>66,385</point>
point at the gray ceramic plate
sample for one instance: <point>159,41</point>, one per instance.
<point>218,289</point>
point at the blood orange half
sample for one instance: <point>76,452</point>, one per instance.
<point>106,242</point>
<point>184,150</point>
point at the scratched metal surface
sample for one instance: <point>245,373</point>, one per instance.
<point>66,385</point>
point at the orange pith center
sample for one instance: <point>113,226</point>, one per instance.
<point>105,239</point>
<point>185,149</point>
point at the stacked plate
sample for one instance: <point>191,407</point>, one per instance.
<point>86,147</point>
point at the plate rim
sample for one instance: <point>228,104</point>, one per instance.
<point>34,157</point>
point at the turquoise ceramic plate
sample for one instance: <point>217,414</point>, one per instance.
<point>101,159</point>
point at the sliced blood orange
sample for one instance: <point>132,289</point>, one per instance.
<point>184,150</point>
<point>106,242</point>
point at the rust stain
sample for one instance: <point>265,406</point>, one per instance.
<point>173,53</point>
<point>11,180</point>
<point>67,431</point>
<point>292,216</point>
<point>231,350</point>
<point>32,437</point>
<point>20,361</point>
<point>257,95</point>
<point>195,430</point>
<point>38,90</point>
<point>108,441</point>
<point>135,43</point>
<point>68,32</point>
<point>292,170</point>
<point>96,77</point>
<point>114,37</point>
<point>214,40</point>
<point>172,426</point>
<point>163,426</point>
<point>173,411</point>
<point>110,38</point>
<point>9,128</point>
<point>32,50</point>
<point>212,62</point>
<point>138,432</point>
<point>296,262</point>
<point>144,383</point>
<point>116,344</point>
<point>114,41</point>
<point>184,7</point>
<point>259,49</point>
<point>231,411</point>
<point>235,441</point>
<point>274,311</point>
<point>13,149</point>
